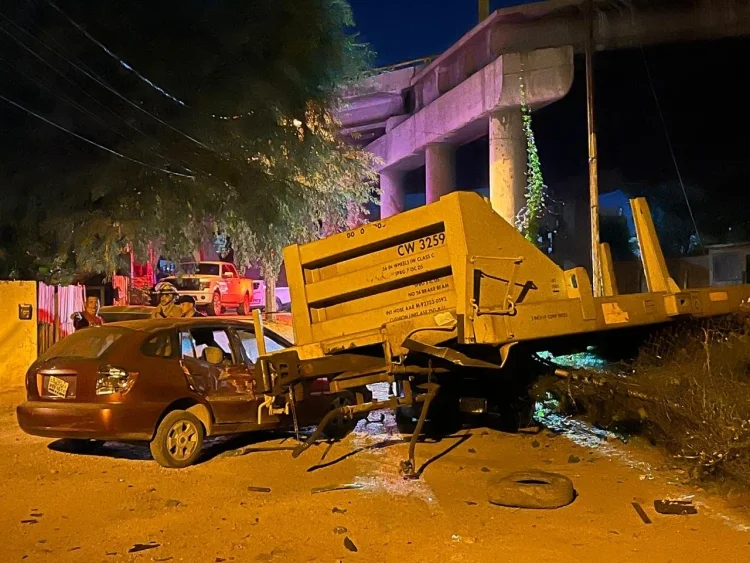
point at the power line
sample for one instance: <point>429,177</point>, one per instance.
<point>114,56</point>
<point>48,64</point>
<point>102,83</point>
<point>95,78</point>
<point>664,128</point>
<point>89,141</point>
<point>110,110</point>
<point>65,98</point>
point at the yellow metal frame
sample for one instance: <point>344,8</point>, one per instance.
<point>383,281</point>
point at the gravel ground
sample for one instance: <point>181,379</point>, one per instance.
<point>118,505</point>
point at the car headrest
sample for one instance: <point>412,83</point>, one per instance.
<point>214,355</point>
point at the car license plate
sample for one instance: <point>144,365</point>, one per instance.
<point>57,387</point>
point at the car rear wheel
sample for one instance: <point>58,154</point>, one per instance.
<point>178,440</point>
<point>214,308</point>
<point>244,308</point>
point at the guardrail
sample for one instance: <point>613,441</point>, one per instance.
<point>398,66</point>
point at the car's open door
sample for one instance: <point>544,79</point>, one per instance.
<point>227,386</point>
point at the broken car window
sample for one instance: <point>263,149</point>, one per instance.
<point>202,338</point>
<point>250,345</point>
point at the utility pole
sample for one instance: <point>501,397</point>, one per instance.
<point>484,9</point>
<point>596,265</point>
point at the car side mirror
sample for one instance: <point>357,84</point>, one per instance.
<point>228,275</point>
<point>214,355</point>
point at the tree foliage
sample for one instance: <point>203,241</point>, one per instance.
<point>226,106</point>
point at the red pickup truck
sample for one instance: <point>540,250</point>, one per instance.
<point>215,286</point>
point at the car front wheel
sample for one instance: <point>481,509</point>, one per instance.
<point>178,440</point>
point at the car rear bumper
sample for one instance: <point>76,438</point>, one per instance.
<point>81,420</point>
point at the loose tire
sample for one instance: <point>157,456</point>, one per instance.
<point>178,440</point>
<point>244,308</point>
<point>531,489</point>
<point>214,308</point>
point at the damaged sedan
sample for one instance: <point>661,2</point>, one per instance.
<point>167,382</point>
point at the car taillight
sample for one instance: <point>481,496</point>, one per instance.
<point>111,379</point>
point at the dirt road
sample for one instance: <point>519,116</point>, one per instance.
<point>118,505</point>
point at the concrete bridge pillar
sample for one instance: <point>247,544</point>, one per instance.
<point>392,192</point>
<point>440,168</point>
<point>507,163</point>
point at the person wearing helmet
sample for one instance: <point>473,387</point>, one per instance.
<point>167,307</point>
<point>187,307</point>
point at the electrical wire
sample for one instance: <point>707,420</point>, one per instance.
<point>665,129</point>
<point>89,141</point>
<point>62,96</point>
<point>114,56</point>
<point>95,78</point>
<point>100,82</point>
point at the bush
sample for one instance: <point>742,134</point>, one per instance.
<point>688,390</point>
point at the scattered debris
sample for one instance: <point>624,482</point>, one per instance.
<point>143,547</point>
<point>219,560</point>
<point>470,502</point>
<point>328,488</point>
<point>472,451</point>
<point>337,510</point>
<point>485,469</point>
<point>30,521</point>
<point>36,514</point>
<point>168,558</point>
<point>259,489</point>
<point>642,513</point>
<point>679,507</point>
<point>573,459</point>
<point>535,444</point>
<point>340,530</point>
<point>172,503</point>
<point>349,544</point>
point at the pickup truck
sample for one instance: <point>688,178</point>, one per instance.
<point>283,301</point>
<point>215,286</point>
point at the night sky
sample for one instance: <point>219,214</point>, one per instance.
<point>401,30</point>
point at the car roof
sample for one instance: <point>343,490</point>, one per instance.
<point>126,309</point>
<point>155,325</point>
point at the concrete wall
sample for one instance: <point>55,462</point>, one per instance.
<point>18,339</point>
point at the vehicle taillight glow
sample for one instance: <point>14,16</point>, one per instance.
<point>112,380</point>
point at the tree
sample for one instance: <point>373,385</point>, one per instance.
<point>225,106</point>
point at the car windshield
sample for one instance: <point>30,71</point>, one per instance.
<point>89,343</point>
<point>200,269</point>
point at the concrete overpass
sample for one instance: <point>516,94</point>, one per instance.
<point>418,114</point>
